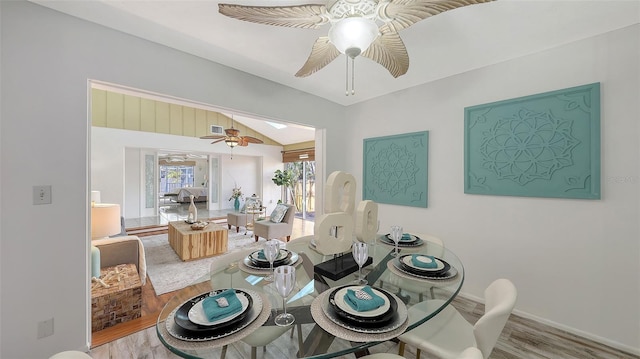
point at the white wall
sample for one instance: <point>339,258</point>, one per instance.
<point>108,148</point>
<point>200,172</point>
<point>243,172</point>
<point>575,262</point>
<point>47,60</point>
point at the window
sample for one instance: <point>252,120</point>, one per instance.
<point>175,177</point>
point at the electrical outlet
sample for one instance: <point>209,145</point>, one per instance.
<point>45,328</point>
<point>41,194</point>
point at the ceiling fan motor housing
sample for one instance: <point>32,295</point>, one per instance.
<point>340,9</point>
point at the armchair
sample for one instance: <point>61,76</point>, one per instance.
<point>270,230</point>
<point>122,250</point>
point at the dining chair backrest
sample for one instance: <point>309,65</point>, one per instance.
<point>222,262</point>
<point>470,353</point>
<point>500,299</point>
<point>437,250</point>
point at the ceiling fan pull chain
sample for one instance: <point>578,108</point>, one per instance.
<point>353,76</point>
<point>346,92</point>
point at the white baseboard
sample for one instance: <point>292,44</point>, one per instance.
<point>568,329</point>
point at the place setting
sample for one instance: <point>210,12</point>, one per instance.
<point>397,239</point>
<point>223,315</point>
<point>360,313</point>
<point>263,261</point>
<point>422,267</point>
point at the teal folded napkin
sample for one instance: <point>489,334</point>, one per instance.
<point>363,305</point>
<point>405,237</point>
<point>423,261</point>
<point>214,311</point>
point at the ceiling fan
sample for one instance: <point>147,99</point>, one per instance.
<point>232,138</point>
<point>358,27</point>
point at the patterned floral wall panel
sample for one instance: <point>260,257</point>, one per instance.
<point>544,145</point>
<point>395,169</point>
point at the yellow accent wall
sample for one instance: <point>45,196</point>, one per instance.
<point>116,110</point>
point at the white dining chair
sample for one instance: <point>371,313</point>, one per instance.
<point>469,353</point>
<point>266,334</point>
<point>382,356</point>
<point>230,263</point>
<point>71,354</point>
<point>448,333</point>
<point>263,335</point>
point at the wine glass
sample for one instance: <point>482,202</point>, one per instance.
<point>271,252</point>
<point>285,278</point>
<point>396,234</point>
<point>360,253</point>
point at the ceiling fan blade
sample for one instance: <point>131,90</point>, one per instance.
<point>243,142</point>
<point>389,51</point>
<point>400,14</point>
<point>212,137</point>
<point>299,16</point>
<point>322,53</point>
<point>220,140</point>
<point>249,139</point>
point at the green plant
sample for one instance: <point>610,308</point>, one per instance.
<point>283,178</point>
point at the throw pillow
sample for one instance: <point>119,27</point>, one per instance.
<point>278,213</point>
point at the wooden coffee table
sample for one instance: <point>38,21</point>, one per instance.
<point>194,244</point>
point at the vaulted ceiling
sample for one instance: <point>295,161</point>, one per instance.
<point>450,43</point>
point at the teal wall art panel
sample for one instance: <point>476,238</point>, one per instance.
<point>395,169</point>
<point>544,145</point>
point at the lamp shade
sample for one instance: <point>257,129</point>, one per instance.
<point>353,33</point>
<point>105,220</point>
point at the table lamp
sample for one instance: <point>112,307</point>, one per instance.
<point>105,222</point>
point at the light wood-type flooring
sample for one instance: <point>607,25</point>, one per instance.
<point>521,338</point>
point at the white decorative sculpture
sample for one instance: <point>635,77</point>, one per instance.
<point>333,233</point>
<point>193,212</point>
<point>366,221</point>
<point>340,193</point>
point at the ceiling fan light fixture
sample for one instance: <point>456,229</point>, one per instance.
<point>353,35</point>
<point>232,141</point>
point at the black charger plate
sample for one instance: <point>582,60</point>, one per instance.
<point>263,263</point>
<point>182,314</point>
<point>387,240</point>
<point>426,273</point>
<point>359,320</point>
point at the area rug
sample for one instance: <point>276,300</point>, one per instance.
<point>168,272</point>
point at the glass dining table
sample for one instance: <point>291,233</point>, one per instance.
<point>313,297</point>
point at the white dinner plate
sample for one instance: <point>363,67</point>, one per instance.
<point>342,304</point>
<point>197,315</point>
<point>255,256</point>
<point>407,260</point>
